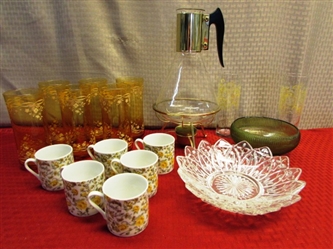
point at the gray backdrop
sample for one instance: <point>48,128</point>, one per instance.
<point>71,39</point>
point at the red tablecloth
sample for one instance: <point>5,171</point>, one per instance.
<point>35,218</point>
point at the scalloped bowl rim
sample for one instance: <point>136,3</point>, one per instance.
<point>259,204</point>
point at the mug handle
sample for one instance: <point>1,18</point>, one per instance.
<point>32,160</point>
<point>92,203</point>
<point>113,168</point>
<point>90,150</point>
<point>136,143</point>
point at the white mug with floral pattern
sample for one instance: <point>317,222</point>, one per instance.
<point>142,162</point>
<point>164,146</point>
<point>126,204</point>
<point>49,161</point>
<point>106,150</point>
<point>80,178</point>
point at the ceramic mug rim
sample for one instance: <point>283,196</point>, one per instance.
<point>99,146</point>
<point>111,184</point>
<point>150,139</point>
<point>52,154</point>
<point>128,159</point>
<point>94,169</point>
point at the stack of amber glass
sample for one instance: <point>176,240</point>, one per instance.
<point>78,114</point>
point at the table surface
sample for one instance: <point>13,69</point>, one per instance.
<point>35,218</point>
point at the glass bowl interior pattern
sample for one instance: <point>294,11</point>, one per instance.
<point>239,178</point>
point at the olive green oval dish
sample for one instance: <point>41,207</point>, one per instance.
<point>280,136</point>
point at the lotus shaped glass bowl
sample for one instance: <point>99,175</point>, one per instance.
<point>238,178</point>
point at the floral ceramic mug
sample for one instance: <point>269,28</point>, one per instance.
<point>106,150</point>
<point>164,146</point>
<point>142,162</point>
<point>49,161</point>
<point>126,204</point>
<point>80,178</point>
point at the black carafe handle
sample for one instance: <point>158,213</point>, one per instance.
<point>217,18</point>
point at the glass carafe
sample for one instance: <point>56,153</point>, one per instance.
<point>187,95</point>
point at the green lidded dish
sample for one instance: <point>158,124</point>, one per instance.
<point>280,136</point>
